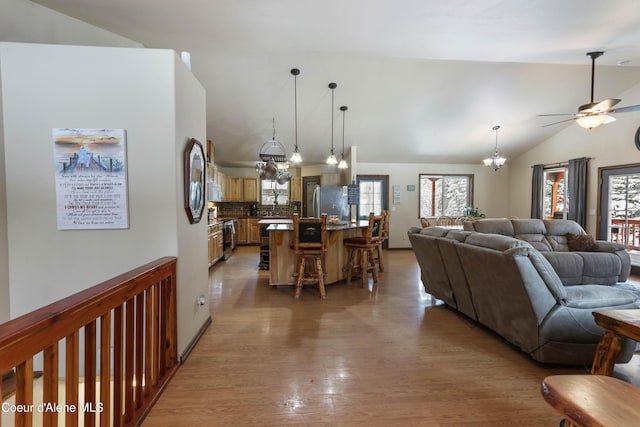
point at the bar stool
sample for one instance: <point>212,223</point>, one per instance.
<point>361,250</point>
<point>384,236</point>
<point>310,242</point>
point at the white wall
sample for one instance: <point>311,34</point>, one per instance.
<point>193,261</point>
<point>4,249</point>
<point>607,145</point>
<point>148,93</point>
<point>490,190</point>
<point>25,21</point>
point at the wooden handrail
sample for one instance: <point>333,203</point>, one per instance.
<point>135,313</point>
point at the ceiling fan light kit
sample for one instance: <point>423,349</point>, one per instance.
<point>594,114</point>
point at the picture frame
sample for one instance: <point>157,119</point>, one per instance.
<point>194,180</point>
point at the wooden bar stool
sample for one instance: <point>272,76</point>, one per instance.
<point>361,249</point>
<point>592,400</point>
<point>310,242</point>
<point>384,236</point>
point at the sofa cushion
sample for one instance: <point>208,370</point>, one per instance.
<point>497,242</point>
<point>597,296</point>
<point>533,231</point>
<point>581,242</point>
<point>494,226</point>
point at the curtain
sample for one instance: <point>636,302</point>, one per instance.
<point>577,191</point>
<point>537,183</point>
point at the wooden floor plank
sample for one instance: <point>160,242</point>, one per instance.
<point>378,356</point>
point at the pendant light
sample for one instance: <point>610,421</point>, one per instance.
<point>332,160</point>
<point>496,161</point>
<point>295,157</point>
<point>343,163</point>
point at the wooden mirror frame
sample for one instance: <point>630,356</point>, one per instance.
<point>194,180</point>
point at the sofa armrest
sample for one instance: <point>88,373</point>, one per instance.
<point>604,246</point>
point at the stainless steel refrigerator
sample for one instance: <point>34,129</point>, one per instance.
<point>331,200</point>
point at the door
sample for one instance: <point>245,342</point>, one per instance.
<point>619,204</point>
<point>309,184</point>
<point>374,196</point>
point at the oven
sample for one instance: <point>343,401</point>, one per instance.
<point>229,237</point>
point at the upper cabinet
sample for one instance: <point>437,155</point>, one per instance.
<point>296,189</point>
<point>250,189</point>
<point>240,189</point>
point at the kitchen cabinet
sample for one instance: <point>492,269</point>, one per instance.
<point>296,189</point>
<point>254,231</point>
<point>250,189</point>
<point>215,243</point>
<point>233,188</point>
<point>242,231</point>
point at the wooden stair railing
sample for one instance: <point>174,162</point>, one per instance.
<point>134,314</point>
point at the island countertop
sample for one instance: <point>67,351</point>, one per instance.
<point>287,225</point>
<point>283,262</point>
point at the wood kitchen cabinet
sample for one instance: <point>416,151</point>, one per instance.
<point>254,231</point>
<point>215,241</point>
<point>250,189</point>
<point>233,188</point>
<point>243,231</point>
<point>296,189</point>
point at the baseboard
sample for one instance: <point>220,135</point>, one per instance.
<point>194,341</point>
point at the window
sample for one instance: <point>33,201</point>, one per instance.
<point>554,200</point>
<point>272,191</point>
<point>370,197</point>
<point>445,195</point>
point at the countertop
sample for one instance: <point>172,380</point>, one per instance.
<point>287,225</point>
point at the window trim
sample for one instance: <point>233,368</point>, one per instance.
<point>470,176</point>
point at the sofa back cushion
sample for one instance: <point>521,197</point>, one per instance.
<point>532,230</point>
<point>557,230</point>
<point>490,225</point>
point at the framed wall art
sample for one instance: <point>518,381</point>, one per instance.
<point>194,180</point>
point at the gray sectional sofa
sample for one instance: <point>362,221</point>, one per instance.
<point>511,287</point>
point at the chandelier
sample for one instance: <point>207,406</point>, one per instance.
<point>496,161</point>
<point>273,164</point>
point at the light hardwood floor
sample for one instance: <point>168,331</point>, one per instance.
<point>383,356</point>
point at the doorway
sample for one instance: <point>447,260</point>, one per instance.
<point>619,205</point>
<point>374,196</point>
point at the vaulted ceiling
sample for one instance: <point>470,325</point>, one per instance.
<point>424,80</point>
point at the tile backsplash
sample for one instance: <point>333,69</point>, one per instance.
<point>241,209</point>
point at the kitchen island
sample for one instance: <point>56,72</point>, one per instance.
<point>283,262</point>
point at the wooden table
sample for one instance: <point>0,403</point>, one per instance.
<point>619,324</point>
<point>593,400</point>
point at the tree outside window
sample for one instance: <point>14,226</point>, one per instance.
<point>445,195</point>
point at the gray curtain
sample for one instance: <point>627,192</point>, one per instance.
<point>577,191</point>
<point>537,183</point>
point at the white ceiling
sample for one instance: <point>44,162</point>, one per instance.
<point>424,80</point>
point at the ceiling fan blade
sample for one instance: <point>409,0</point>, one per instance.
<point>552,115</point>
<point>561,121</point>
<point>605,105</point>
<point>626,109</point>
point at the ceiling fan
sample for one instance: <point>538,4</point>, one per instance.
<point>594,114</point>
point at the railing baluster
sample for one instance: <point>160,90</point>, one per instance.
<point>24,392</point>
<point>156,334</point>
<point>128,366</point>
<point>117,366</point>
<point>89,373</point>
<point>71,383</point>
<point>139,359</point>
<point>105,369</point>
<point>148,339</point>
<point>50,386</point>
